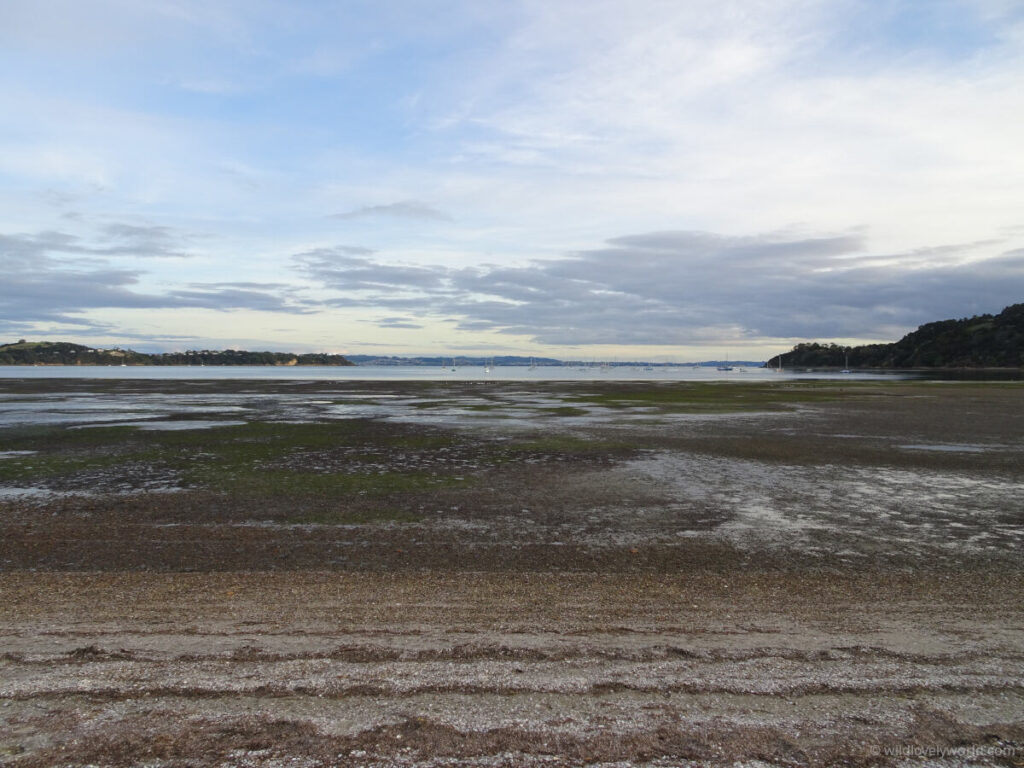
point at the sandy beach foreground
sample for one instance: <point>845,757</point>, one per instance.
<point>316,574</point>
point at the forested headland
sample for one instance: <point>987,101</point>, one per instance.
<point>65,353</point>
<point>982,341</point>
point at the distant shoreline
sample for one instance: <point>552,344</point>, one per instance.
<point>177,365</point>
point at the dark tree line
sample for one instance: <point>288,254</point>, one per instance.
<point>982,341</point>
<point>64,353</point>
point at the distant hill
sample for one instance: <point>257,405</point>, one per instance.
<point>520,361</point>
<point>65,353</point>
<point>439,361</point>
<point>982,341</point>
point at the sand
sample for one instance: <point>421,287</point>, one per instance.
<point>811,581</point>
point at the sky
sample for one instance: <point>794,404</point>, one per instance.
<point>663,180</point>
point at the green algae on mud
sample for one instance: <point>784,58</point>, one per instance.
<point>262,484</point>
<point>340,455</point>
<point>569,445</point>
<point>718,397</point>
<point>403,457</point>
<point>257,459</point>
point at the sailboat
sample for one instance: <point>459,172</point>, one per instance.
<point>846,364</point>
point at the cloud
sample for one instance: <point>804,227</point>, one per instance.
<point>406,209</point>
<point>745,116</point>
<point>114,240</point>
<point>683,287</point>
<point>148,241</point>
<point>225,299</point>
<point>397,322</point>
<point>55,277</point>
<point>282,287</point>
<point>351,269</point>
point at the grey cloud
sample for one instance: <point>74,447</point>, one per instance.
<point>115,240</point>
<point>704,244</point>
<point>336,255</point>
<point>26,251</point>
<point>688,287</point>
<point>241,285</point>
<point>674,286</point>
<point>71,327</point>
<point>397,322</point>
<point>405,209</point>
<point>347,269</point>
<point>134,240</point>
<point>49,292</point>
<point>475,325</point>
<point>53,277</point>
<point>227,299</point>
<point>58,295</point>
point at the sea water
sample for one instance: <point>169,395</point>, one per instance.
<point>431,373</point>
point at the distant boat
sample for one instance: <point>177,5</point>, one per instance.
<point>846,364</point>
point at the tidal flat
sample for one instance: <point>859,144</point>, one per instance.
<point>317,573</point>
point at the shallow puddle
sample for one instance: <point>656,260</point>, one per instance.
<point>170,426</point>
<point>866,509</point>
<point>24,493</point>
<point>950,447</point>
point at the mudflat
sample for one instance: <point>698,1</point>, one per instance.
<point>511,573</point>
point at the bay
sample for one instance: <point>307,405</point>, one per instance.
<point>435,373</point>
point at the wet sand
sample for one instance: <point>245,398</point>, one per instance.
<point>831,576</point>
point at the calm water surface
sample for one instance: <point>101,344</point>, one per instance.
<point>425,373</point>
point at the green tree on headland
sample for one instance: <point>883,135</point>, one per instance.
<point>982,341</point>
<point>64,353</point>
